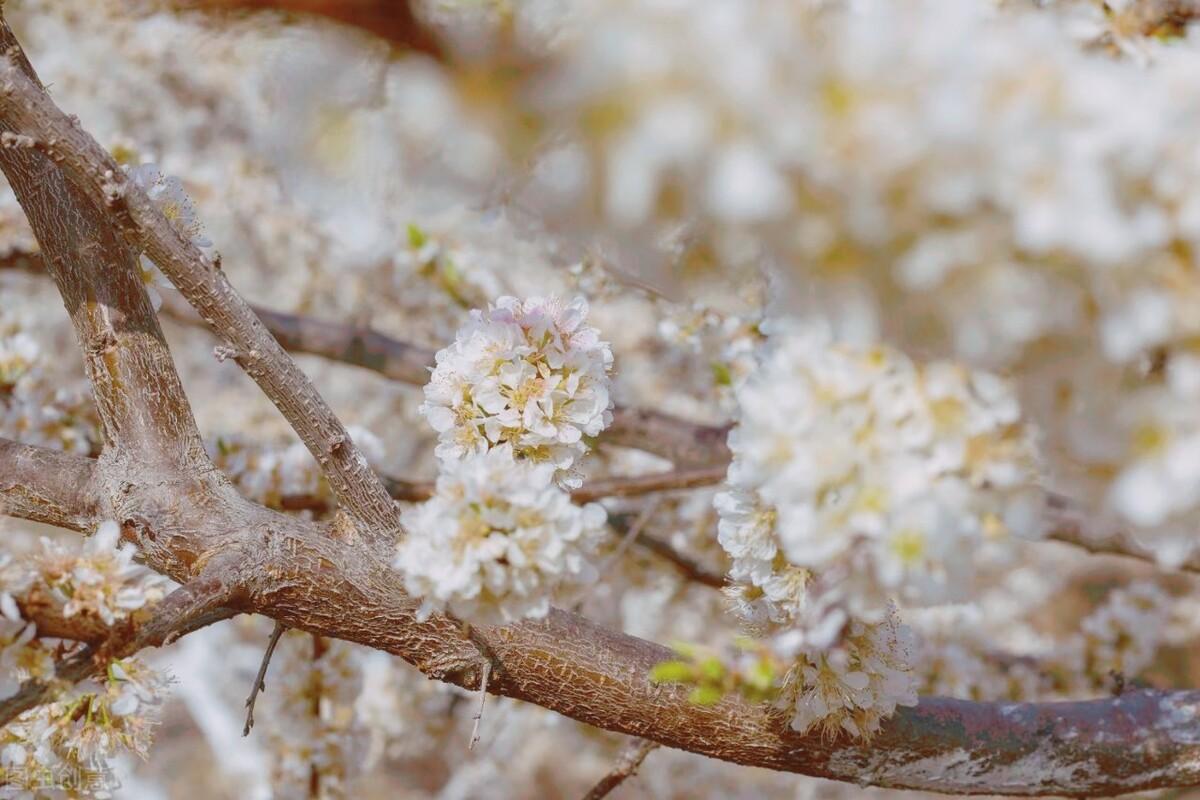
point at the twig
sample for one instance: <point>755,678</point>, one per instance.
<point>633,486</point>
<point>628,761</point>
<point>489,658</point>
<point>631,535</point>
<point>415,491</point>
<point>260,680</point>
<point>483,684</point>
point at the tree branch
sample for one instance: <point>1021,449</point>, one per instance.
<point>48,486</point>
<point>630,758</point>
<point>298,575</point>
<point>688,445</point>
<point>26,109</point>
<point>196,604</point>
<point>392,20</point>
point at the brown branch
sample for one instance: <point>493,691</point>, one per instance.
<point>688,445</point>
<point>391,20</point>
<point>637,485</point>
<point>688,567</point>
<point>301,577</point>
<point>98,182</point>
<point>195,605</point>
<point>48,486</point>
<point>260,680</point>
<point>628,761</point>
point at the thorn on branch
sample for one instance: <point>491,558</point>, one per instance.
<point>489,658</point>
<point>483,684</point>
<point>260,680</point>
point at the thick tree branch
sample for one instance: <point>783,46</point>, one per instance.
<point>141,404</point>
<point>300,576</point>
<point>48,486</point>
<point>98,181</point>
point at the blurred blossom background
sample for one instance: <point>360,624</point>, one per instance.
<point>772,207</point>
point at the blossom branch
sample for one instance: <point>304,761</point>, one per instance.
<point>305,575</point>
<point>687,444</point>
<point>26,109</point>
<point>195,605</point>
<point>298,575</point>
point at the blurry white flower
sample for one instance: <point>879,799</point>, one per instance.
<point>861,464</point>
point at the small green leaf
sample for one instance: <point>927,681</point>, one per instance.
<point>705,696</point>
<point>712,669</point>
<point>671,672</point>
<point>721,374</point>
<point>416,237</point>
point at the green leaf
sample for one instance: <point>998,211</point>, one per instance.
<point>721,374</point>
<point>671,672</point>
<point>712,669</point>
<point>705,696</point>
<point>416,237</point>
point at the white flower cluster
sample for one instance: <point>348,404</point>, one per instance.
<point>957,180</point>
<point>168,196</point>
<point>317,743</point>
<point>1123,635</point>
<point>22,655</point>
<point>498,540</point>
<point>860,476</point>
<point>67,743</point>
<point>854,685</point>
<point>528,373</point>
<point>100,581</point>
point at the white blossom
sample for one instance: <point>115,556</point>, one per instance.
<point>856,685</point>
<point>861,464</point>
<point>530,373</point>
<point>498,541</point>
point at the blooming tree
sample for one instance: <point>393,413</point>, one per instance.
<point>848,347</point>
